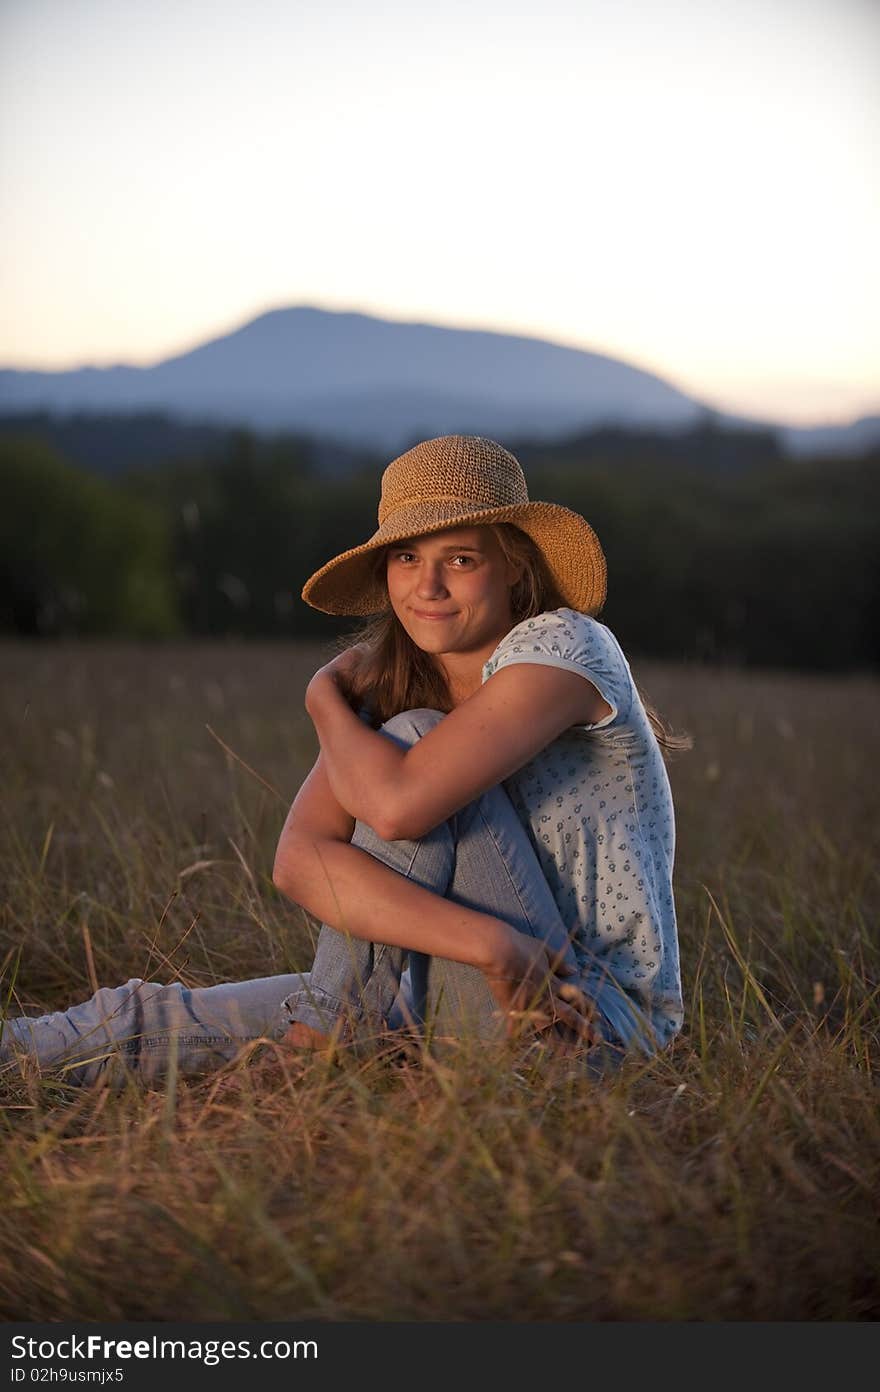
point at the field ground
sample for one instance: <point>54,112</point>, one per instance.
<point>735,1178</point>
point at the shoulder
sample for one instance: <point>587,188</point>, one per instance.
<point>563,633</point>
<point>568,639</point>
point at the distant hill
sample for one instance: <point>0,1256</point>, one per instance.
<point>376,384</point>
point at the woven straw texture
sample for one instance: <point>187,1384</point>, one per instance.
<point>459,481</point>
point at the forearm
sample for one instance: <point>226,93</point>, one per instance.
<point>364,768</point>
<point>350,890</point>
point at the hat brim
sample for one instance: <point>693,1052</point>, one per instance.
<point>348,584</point>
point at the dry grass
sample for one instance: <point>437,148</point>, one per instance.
<point>734,1178</point>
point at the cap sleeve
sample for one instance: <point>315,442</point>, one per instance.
<point>576,643</point>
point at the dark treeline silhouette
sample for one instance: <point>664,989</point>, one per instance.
<point>719,547</point>
<point>116,445</point>
<point>78,555</point>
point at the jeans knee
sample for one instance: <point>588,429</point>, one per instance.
<point>109,1001</point>
<point>410,725</point>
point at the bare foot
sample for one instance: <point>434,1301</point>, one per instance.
<point>301,1036</point>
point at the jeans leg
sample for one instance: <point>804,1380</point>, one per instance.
<point>497,871</point>
<point>134,1029</point>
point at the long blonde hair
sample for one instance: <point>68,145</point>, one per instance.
<point>396,675</point>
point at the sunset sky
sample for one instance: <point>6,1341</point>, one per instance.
<point>690,185</point>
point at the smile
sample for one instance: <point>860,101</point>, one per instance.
<point>420,614</point>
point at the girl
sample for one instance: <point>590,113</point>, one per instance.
<point>487,835</point>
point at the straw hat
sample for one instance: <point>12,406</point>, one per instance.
<point>461,481</point>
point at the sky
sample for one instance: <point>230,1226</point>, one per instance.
<point>690,185</point>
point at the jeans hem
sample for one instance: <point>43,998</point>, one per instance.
<point>328,1014</point>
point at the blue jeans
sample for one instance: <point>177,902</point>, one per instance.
<point>481,857</point>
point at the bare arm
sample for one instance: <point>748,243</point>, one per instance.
<point>317,867</point>
<point>404,793</point>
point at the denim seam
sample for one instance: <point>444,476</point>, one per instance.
<point>311,995</point>
<point>154,1042</point>
<point>379,949</point>
<point>134,1043</point>
<point>503,858</point>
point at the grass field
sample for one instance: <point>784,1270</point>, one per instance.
<point>735,1178</point>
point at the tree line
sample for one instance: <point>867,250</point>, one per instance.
<point>719,547</point>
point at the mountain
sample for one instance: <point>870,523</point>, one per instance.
<point>367,380</point>
<point>378,384</point>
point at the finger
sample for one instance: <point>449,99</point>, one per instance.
<point>531,1019</point>
<point>518,1022</point>
<point>586,1032</point>
<point>573,995</point>
<point>580,1023</point>
<point>559,963</point>
<point>566,1025</point>
<point>534,1017</point>
<point>565,1035</point>
<point>552,1016</point>
<point>554,997</point>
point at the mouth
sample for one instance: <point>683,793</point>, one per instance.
<point>423,614</point>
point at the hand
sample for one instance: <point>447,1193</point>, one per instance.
<point>530,988</point>
<point>336,675</point>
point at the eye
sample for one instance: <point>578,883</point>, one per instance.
<point>402,556</point>
<point>465,560</point>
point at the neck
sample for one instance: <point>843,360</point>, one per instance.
<point>464,674</point>
<point>464,670</point>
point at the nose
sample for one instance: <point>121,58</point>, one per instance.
<point>430,580</point>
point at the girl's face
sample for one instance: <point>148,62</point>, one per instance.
<point>451,590</point>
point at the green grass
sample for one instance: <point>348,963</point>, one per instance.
<point>736,1177</point>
